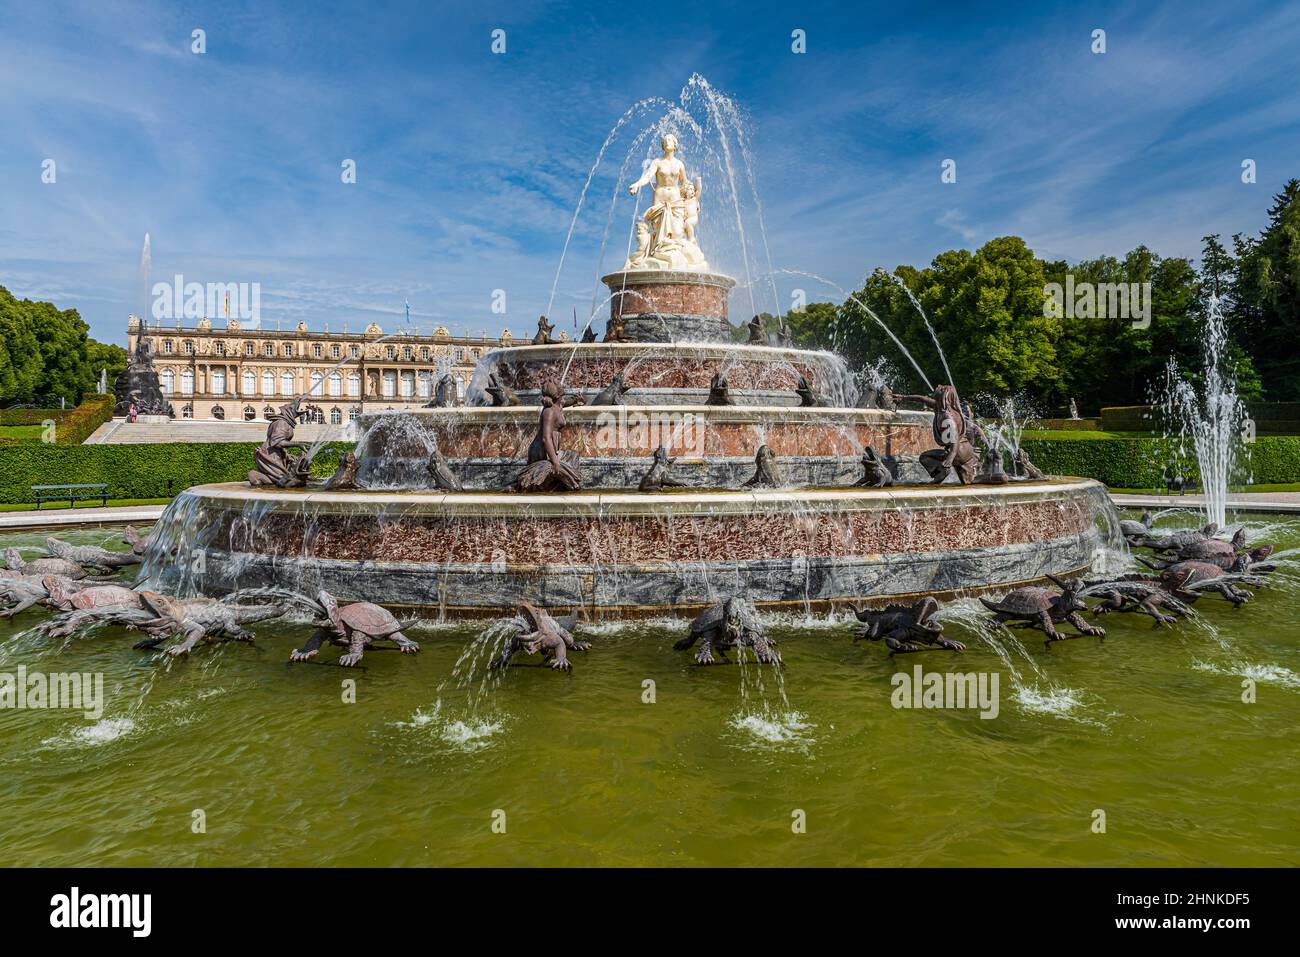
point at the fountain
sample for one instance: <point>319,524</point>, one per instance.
<point>562,516</point>
<point>1213,422</point>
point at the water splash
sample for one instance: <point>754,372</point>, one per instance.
<point>1213,421</point>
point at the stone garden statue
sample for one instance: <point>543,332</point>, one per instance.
<point>544,330</point>
<point>274,464</point>
<point>956,451</point>
<point>138,385</point>
<point>550,469</point>
<point>666,237</point>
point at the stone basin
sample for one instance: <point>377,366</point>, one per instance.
<point>628,553</point>
<point>714,445</point>
<point>669,373</point>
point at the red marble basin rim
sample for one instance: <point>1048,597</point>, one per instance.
<point>539,507</point>
<point>762,414</point>
<point>648,350</point>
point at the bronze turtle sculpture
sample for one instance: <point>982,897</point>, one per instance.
<point>356,625</point>
<point>1044,608</point>
<point>1138,529</point>
<point>729,624</point>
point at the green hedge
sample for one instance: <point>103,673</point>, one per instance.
<point>1271,418</point>
<point>1065,425</point>
<point>1141,462</point>
<point>134,471</point>
<point>71,426</point>
<point>1129,418</point>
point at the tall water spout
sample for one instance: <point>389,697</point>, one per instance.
<point>1215,421</point>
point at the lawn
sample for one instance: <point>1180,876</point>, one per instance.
<point>88,507</point>
<point>21,433</point>
<point>1049,435</point>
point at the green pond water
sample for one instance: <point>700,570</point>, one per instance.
<point>1147,726</point>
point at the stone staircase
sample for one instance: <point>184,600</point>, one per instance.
<point>121,432</point>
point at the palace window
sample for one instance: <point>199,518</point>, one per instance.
<point>336,416</point>
<point>270,350</point>
<point>316,350</point>
<point>168,381</point>
<point>219,348</point>
<point>424,354</point>
<point>187,386</point>
<point>267,412</point>
<point>356,351</point>
<point>286,383</point>
<point>460,354</point>
<point>336,383</point>
<point>218,381</point>
<point>218,412</point>
<point>353,414</point>
<point>426,383</point>
<point>390,351</point>
<point>475,353</point>
<point>317,380</point>
<point>354,385</point>
<point>187,347</point>
<point>335,351</point>
<point>288,350</point>
<point>249,349</point>
<point>250,382</point>
<point>167,347</point>
<point>268,382</point>
<point>390,385</point>
<point>187,412</point>
<point>250,413</point>
<point>408,353</point>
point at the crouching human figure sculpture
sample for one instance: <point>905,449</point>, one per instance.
<point>274,464</point>
<point>550,468</point>
<point>956,453</point>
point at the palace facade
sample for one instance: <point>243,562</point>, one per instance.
<point>233,373</point>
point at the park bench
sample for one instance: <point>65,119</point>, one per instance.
<point>73,493</point>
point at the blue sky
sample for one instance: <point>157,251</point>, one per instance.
<point>470,163</point>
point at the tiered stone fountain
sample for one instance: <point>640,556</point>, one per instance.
<point>816,539</point>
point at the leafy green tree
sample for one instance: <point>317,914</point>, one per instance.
<point>20,355</point>
<point>1268,290</point>
<point>46,353</point>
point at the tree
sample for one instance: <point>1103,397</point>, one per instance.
<point>20,355</point>
<point>1269,296</point>
<point>46,354</point>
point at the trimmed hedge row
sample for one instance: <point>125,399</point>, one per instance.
<point>1271,418</point>
<point>81,422</point>
<point>71,426</point>
<point>135,471</point>
<point>1064,425</point>
<point>1141,462</point>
